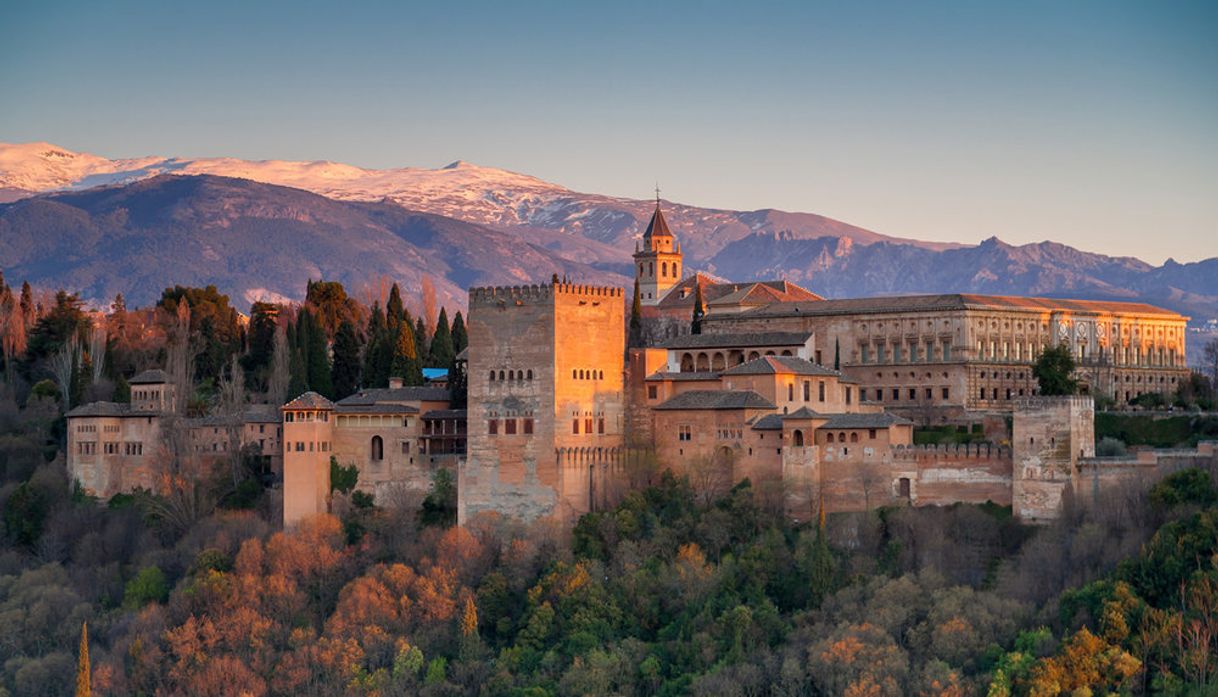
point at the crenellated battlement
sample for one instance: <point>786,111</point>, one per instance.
<point>950,451</point>
<point>1042,402</point>
<point>490,295</point>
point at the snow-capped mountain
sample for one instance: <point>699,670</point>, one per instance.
<point>476,194</point>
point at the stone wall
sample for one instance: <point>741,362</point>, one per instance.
<point>1049,437</point>
<point>567,342</point>
<point>941,475</point>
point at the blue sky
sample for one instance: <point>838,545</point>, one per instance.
<point>1089,123</point>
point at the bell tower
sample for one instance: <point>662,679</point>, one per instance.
<point>657,261</point>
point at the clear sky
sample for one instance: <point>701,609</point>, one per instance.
<point>1090,123</point>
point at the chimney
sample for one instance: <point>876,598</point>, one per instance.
<point>395,383</point>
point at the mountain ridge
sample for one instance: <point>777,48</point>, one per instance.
<point>593,235</point>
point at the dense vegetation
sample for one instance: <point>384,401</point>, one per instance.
<point>195,591</point>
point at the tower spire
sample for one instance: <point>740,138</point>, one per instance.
<point>657,194</point>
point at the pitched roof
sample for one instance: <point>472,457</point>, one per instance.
<point>309,400</point>
<point>376,408</point>
<point>717,399</point>
<point>683,377</point>
<point>388,395</point>
<point>106,409</point>
<point>156,376</point>
<point>747,339</point>
<point>949,301</point>
<point>804,413</point>
<point>719,292</point>
<point>463,355</point>
<point>658,227</point>
<point>880,420</point>
<point>774,365</point>
<point>769,422</point>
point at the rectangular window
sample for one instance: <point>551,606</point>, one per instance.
<point>588,426</point>
<point>492,427</point>
<point>289,417</point>
<point>929,395</point>
<point>528,427</point>
<point>866,351</point>
<point>575,426</point>
<point>600,425</point>
<point>913,393</point>
<point>879,351</point>
<point>947,350</point>
<point>862,394</point>
<point>896,394</point>
<point>896,353</point>
<point>300,446</point>
<point>807,391</point>
<point>509,427</point>
<point>405,447</point>
<point>651,392</point>
<point>790,392</point>
<point>982,396</point>
<point>821,390</point>
<point>684,433</point>
<point>849,394</point>
<point>871,433</point>
<point>946,392</point>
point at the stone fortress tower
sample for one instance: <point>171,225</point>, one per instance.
<point>545,382</point>
<point>1049,437</point>
<point>658,261</point>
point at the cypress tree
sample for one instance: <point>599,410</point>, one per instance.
<point>345,373</point>
<point>405,362</point>
<point>395,311</point>
<point>420,341</point>
<point>375,336</point>
<point>635,338</point>
<point>298,382</point>
<point>317,358</point>
<point>695,327</point>
<point>441,353</point>
<point>460,338</point>
<point>84,671</point>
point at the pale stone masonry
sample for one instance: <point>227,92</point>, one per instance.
<point>545,373</point>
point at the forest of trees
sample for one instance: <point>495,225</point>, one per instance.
<point>668,593</point>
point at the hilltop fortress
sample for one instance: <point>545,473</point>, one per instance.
<point>815,401</point>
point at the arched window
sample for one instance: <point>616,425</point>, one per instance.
<point>492,376</point>
<point>581,375</point>
<point>501,375</point>
<point>830,438</point>
<point>530,374</point>
<point>854,437</point>
<point>378,448</point>
<point>651,268</point>
<point>573,373</point>
<point>664,269</point>
<point>519,374</point>
<point>798,438</point>
<point>600,375</point>
<point>841,437</point>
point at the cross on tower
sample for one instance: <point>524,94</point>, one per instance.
<point>657,193</point>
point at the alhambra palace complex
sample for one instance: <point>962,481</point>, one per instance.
<point>813,400</point>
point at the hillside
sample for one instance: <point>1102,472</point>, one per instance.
<point>254,241</point>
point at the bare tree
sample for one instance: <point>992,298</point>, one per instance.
<point>429,305</point>
<point>872,480</point>
<point>63,366</point>
<point>12,330</point>
<point>277,382</point>
<point>180,359</point>
<point>231,409</point>
<point>97,350</point>
<point>711,476</point>
<point>1209,357</point>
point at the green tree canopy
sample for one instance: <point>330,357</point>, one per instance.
<point>1054,371</point>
